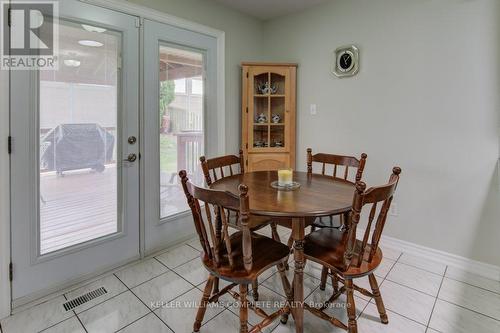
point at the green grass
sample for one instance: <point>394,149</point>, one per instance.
<point>168,153</point>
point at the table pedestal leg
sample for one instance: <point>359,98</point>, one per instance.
<point>298,225</point>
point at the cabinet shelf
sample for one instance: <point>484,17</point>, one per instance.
<point>269,124</point>
<point>268,95</point>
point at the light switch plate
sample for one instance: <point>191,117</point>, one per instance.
<point>313,109</point>
<point>393,210</point>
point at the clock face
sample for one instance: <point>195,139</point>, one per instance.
<point>345,61</point>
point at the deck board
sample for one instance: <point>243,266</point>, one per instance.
<point>82,205</point>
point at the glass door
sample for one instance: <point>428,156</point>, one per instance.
<point>75,173</point>
<point>180,124</point>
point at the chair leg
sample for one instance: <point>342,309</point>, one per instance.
<point>243,308</point>
<point>274,232</point>
<point>215,290</point>
<point>378,299</point>
<point>203,306</point>
<point>290,242</point>
<point>351,307</point>
<point>288,290</point>
<point>335,281</point>
<point>290,246</point>
<point>324,275</point>
<point>255,291</point>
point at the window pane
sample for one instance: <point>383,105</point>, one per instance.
<point>197,86</point>
<point>181,125</point>
<point>78,140</point>
<point>180,86</point>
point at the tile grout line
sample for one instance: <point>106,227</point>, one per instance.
<point>472,285</point>
<point>476,312</point>
<point>399,314</point>
<point>77,318</point>
<point>436,299</point>
<point>383,279</point>
<point>194,287</point>
<point>147,314</point>
<point>423,269</point>
<point>93,306</point>
<point>149,309</point>
<point>59,322</point>
<point>403,285</point>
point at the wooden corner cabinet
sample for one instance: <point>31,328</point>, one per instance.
<point>268,115</point>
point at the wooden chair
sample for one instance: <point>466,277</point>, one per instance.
<point>337,162</point>
<point>217,168</point>
<point>238,258</point>
<point>348,258</point>
<point>214,168</point>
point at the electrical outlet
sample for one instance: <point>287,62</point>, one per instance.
<point>313,109</point>
<point>393,210</point>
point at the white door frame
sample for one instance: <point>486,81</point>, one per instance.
<point>68,265</point>
<point>4,196</point>
<point>122,6</point>
<point>162,232</point>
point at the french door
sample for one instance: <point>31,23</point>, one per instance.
<point>180,124</point>
<point>74,164</point>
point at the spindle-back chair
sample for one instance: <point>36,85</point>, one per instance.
<point>223,166</point>
<point>238,258</point>
<point>339,165</point>
<point>348,258</point>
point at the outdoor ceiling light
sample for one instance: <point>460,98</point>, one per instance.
<point>91,28</point>
<point>72,63</point>
<point>91,43</point>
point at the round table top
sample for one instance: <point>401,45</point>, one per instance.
<point>318,195</point>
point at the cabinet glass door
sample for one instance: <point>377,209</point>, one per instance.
<point>268,110</point>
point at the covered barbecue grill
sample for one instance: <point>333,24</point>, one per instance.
<point>76,146</point>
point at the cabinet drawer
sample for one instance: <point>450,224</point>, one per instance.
<point>264,162</point>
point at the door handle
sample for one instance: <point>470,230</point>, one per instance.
<point>131,157</point>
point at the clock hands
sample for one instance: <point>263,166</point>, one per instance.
<point>345,57</point>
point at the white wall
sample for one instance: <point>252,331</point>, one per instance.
<point>427,98</point>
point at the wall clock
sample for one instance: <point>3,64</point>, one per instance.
<point>346,61</point>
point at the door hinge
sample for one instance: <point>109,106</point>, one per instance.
<point>11,272</point>
<point>138,22</point>
<point>9,145</point>
<point>247,74</point>
<point>9,17</point>
<point>246,162</point>
<point>246,145</point>
<point>247,109</point>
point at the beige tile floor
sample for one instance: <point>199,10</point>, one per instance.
<point>159,295</point>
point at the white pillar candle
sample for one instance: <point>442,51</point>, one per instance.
<point>285,177</point>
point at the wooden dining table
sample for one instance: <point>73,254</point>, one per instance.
<point>318,195</point>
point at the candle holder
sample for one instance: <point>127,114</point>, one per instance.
<point>285,180</point>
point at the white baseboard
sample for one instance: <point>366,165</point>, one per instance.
<point>475,267</point>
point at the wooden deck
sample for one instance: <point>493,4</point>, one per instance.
<point>82,205</point>
<point>77,207</point>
